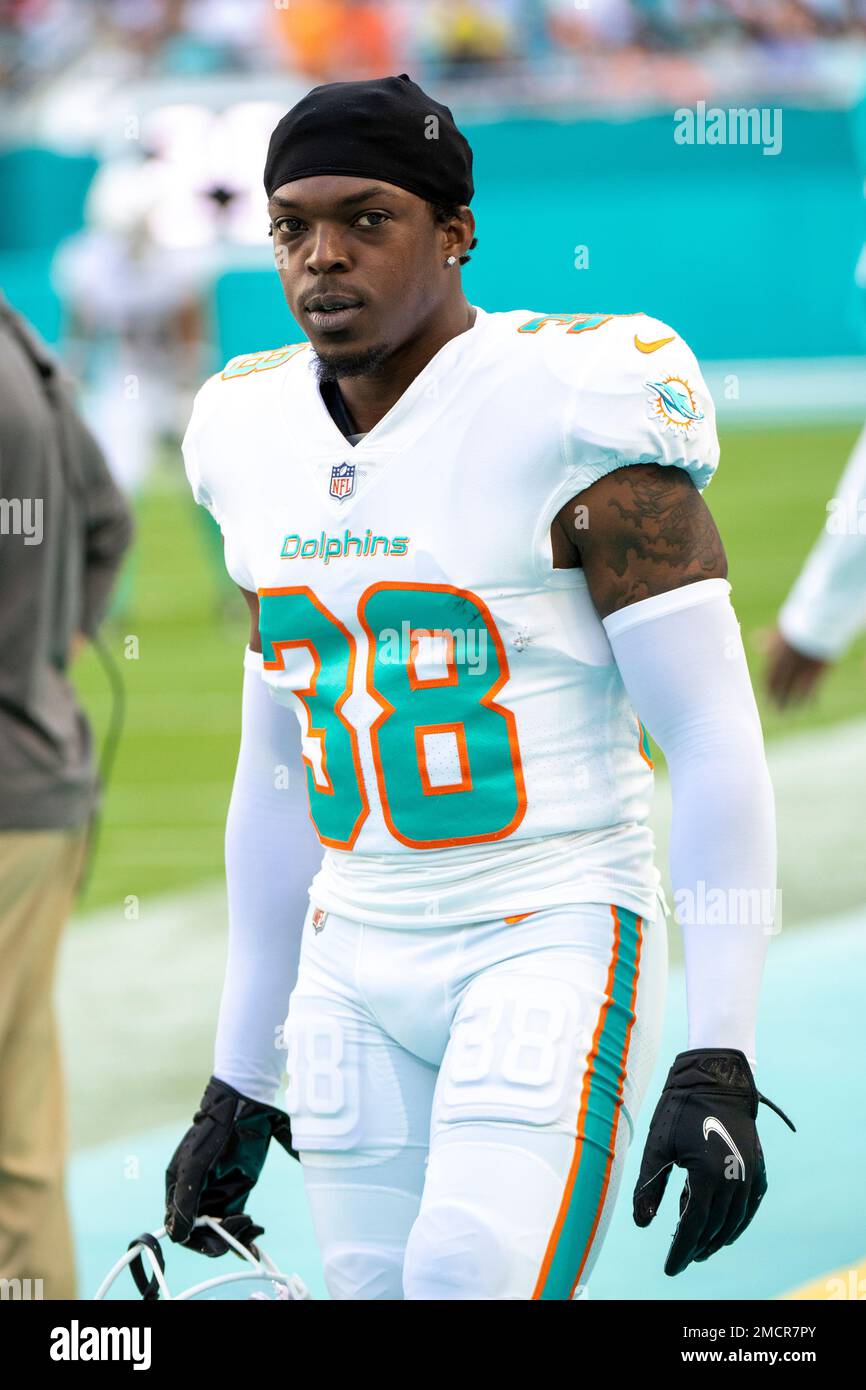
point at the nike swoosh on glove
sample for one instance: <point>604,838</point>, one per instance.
<point>217,1164</point>
<point>705,1122</point>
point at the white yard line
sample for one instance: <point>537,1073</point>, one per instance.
<point>819,777</point>
<point>801,390</point>
<point>138,1002</point>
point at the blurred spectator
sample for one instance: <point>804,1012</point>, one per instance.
<point>336,40</point>
<point>594,24</point>
<point>470,34</point>
<point>37,37</point>
<point>133,319</point>
<point>330,40</point>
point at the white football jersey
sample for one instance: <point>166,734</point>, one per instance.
<point>470,748</point>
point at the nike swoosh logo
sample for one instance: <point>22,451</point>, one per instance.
<point>714,1126</point>
<point>652,347</point>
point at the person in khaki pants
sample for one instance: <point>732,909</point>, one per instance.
<point>64,528</point>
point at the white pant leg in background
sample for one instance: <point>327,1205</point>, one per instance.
<point>520,1052</point>
<point>360,1106</point>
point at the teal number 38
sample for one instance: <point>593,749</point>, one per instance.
<point>485,799</point>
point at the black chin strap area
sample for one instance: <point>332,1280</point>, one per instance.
<point>148,1288</point>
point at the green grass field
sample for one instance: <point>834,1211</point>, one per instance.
<point>165,809</point>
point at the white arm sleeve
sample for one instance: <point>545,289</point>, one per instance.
<point>827,605</point>
<point>272,853</point>
<point>682,661</point>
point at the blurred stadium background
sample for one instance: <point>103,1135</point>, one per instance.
<point>133,235</point>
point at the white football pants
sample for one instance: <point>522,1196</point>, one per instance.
<point>463,1099</point>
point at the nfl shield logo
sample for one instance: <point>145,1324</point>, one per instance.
<point>342,480</point>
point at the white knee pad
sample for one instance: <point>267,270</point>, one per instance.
<point>360,1271</point>
<point>454,1253</point>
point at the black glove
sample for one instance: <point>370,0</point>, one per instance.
<point>705,1122</point>
<point>217,1164</point>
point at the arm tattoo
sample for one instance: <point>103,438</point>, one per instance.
<point>649,530</point>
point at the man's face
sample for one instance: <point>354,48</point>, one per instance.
<point>360,263</point>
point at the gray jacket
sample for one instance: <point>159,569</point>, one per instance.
<point>64,527</point>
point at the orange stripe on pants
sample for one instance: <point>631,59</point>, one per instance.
<point>586,1088</point>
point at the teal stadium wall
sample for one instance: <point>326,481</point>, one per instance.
<point>747,255</point>
<point>42,197</point>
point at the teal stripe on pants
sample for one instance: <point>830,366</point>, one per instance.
<point>595,1143</point>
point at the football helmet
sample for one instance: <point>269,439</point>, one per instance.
<point>260,1279</point>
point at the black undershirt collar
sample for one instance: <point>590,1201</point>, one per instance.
<point>339,411</point>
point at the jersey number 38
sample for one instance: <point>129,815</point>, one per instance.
<point>483,798</point>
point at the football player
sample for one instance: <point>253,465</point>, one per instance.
<point>479,568</point>
<point>826,607</point>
